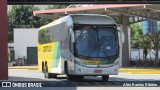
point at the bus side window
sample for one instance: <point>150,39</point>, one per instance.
<point>41,36</point>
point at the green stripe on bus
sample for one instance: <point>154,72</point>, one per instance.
<point>56,55</point>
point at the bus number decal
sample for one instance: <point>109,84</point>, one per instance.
<point>47,49</point>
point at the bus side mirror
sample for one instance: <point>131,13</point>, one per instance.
<point>122,37</point>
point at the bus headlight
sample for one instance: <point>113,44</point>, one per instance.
<point>116,61</point>
<point>77,62</point>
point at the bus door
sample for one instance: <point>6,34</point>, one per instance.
<point>71,47</point>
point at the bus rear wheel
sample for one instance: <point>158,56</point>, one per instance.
<point>46,74</point>
<point>54,75</point>
<point>105,78</point>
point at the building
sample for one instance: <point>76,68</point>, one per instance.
<point>25,44</point>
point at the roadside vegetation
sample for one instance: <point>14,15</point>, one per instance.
<point>21,16</point>
<point>149,43</point>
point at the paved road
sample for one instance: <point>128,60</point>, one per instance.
<point>85,88</point>
<point>88,83</point>
<point>34,75</point>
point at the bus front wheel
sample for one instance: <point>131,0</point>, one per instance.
<point>69,77</point>
<point>105,78</point>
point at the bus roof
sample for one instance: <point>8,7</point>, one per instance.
<point>66,18</point>
<point>56,22</point>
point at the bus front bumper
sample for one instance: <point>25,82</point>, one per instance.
<point>95,71</point>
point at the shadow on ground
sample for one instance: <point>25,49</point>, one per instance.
<point>86,82</point>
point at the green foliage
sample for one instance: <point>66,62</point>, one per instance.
<point>57,6</point>
<point>21,16</point>
<point>138,40</point>
<point>146,42</point>
<point>136,32</point>
<point>9,56</point>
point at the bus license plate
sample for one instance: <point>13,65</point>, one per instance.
<point>97,71</point>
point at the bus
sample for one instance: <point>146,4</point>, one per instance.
<point>79,45</point>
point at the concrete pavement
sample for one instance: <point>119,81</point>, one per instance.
<point>24,67</point>
<point>121,70</point>
<point>16,75</point>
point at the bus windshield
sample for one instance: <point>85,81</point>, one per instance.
<point>95,41</point>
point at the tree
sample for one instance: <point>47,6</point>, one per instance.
<point>147,42</point>
<point>21,16</point>
<point>155,39</point>
<point>136,31</point>
<point>139,40</point>
<point>155,43</point>
<point>10,31</point>
<point>57,6</point>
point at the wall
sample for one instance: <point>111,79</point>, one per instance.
<point>23,38</point>
<point>138,54</point>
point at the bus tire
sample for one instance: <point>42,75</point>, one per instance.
<point>46,74</point>
<point>43,67</point>
<point>105,78</point>
<point>54,75</point>
<point>69,77</point>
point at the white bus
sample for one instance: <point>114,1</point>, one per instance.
<point>79,45</point>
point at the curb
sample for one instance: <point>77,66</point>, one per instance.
<point>140,71</point>
<point>24,67</point>
<point>144,72</point>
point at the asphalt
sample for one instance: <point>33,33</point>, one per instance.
<point>121,70</point>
